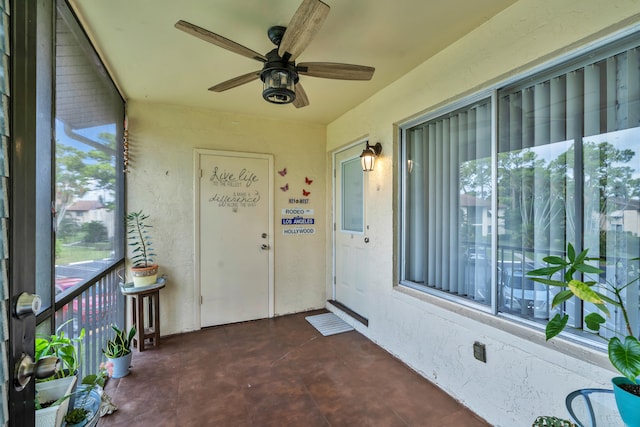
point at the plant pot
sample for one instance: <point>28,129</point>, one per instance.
<point>144,276</point>
<point>628,403</point>
<point>91,401</point>
<point>53,390</point>
<point>121,365</point>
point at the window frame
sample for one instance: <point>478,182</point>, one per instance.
<point>45,320</point>
<point>491,95</point>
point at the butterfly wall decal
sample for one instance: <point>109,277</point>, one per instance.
<point>283,172</point>
<point>286,187</point>
<point>308,181</point>
<point>305,193</point>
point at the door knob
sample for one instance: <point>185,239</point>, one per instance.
<point>27,303</point>
<point>264,247</point>
<point>27,368</point>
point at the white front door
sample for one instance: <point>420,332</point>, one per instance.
<point>234,235</point>
<point>349,247</point>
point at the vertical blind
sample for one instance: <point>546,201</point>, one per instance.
<point>448,202</point>
<point>568,172</point>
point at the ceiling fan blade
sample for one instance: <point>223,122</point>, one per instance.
<point>236,81</point>
<point>331,70</point>
<point>301,97</point>
<point>304,25</point>
<point>218,40</point>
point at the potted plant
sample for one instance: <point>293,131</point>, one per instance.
<point>118,351</point>
<point>546,421</point>
<point>143,269</point>
<point>624,354</point>
<point>53,394</point>
<point>65,348</point>
<point>89,397</point>
<point>52,400</point>
<point>77,417</point>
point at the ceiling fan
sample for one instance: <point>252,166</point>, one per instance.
<point>279,73</point>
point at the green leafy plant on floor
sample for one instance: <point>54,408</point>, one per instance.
<point>544,421</point>
<point>624,355</point>
<point>120,344</point>
<point>76,415</point>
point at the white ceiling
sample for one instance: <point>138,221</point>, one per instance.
<point>153,61</point>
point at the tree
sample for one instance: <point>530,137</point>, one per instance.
<point>95,232</point>
<point>78,172</point>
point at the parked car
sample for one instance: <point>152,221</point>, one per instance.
<point>524,296</point>
<point>82,310</point>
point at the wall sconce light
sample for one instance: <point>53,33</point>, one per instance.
<point>368,156</point>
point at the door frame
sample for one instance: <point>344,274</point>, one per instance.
<point>197,290</point>
<point>334,232</point>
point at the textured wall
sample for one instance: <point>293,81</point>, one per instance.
<point>523,376</point>
<point>161,143</point>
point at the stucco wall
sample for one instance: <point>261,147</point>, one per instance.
<point>161,180</point>
<point>523,376</point>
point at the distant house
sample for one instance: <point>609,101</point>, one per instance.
<point>625,217</point>
<point>91,210</point>
<point>477,212</point>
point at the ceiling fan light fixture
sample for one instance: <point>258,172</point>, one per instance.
<point>279,78</point>
<point>278,87</point>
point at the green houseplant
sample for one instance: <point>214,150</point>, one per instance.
<point>118,350</point>
<point>143,269</point>
<point>546,421</point>
<point>53,394</point>
<point>86,409</point>
<point>623,351</point>
<point>67,349</point>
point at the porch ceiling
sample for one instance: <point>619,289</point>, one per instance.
<point>153,61</point>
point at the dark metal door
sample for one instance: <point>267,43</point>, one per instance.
<point>26,185</point>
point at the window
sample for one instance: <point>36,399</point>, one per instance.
<point>89,119</point>
<point>567,169</point>
<point>79,246</point>
<point>352,196</point>
<point>448,194</point>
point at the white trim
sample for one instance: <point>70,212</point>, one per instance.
<point>197,153</point>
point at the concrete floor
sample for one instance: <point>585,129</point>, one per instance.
<point>276,372</point>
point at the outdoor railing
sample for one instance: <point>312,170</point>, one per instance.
<point>95,309</point>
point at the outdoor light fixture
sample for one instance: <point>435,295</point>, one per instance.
<point>368,156</point>
<point>279,78</point>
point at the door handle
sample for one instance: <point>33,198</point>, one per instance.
<point>27,368</point>
<point>264,247</point>
<point>26,304</point>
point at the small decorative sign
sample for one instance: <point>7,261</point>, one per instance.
<point>297,220</point>
<point>298,231</point>
<point>294,201</point>
<point>297,211</point>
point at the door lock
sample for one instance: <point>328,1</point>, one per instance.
<point>27,368</point>
<point>264,235</point>
<point>26,304</point>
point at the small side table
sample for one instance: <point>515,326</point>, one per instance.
<point>138,295</point>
